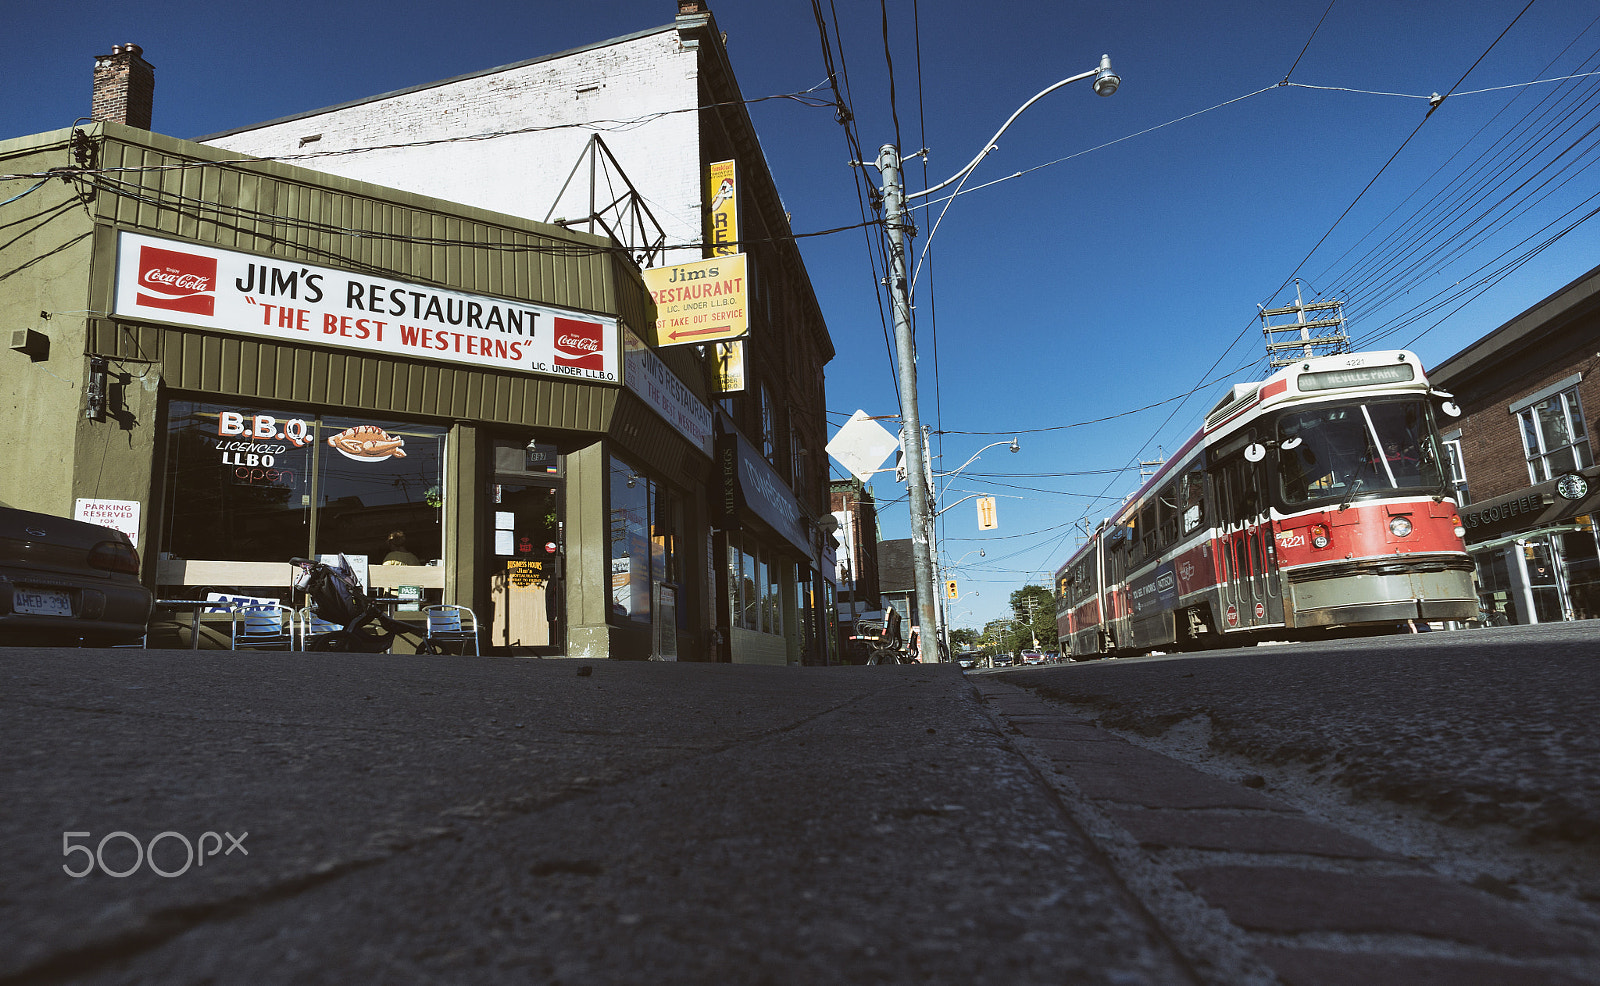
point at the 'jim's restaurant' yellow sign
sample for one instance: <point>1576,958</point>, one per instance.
<point>699,302</point>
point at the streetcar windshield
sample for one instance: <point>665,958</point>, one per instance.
<point>1341,451</point>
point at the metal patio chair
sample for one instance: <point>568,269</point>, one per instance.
<point>449,624</point>
<point>263,625</point>
<point>311,624</point>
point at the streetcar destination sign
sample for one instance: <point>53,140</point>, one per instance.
<point>1359,376</point>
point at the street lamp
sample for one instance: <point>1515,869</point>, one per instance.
<point>896,227</point>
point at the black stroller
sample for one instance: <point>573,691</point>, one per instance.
<point>336,596</point>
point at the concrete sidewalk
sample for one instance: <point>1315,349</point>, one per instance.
<point>480,820</point>
<point>427,819</point>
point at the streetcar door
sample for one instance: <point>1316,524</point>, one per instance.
<point>1250,594</point>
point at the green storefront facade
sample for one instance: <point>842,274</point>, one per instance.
<point>258,362</point>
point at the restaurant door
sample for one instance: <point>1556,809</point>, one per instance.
<point>527,562</point>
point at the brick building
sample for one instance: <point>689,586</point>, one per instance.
<point>1522,456</point>
<point>855,510</point>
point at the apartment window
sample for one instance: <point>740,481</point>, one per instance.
<point>1553,435</point>
<point>769,446</point>
<point>797,461</point>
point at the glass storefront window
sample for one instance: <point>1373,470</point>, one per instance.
<point>646,531</point>
<point>630,543</point>
<point>378,491</point>
<point>264,484</point>
<point>238,483</point>
<point>754,587</point>
<point>750,587</point>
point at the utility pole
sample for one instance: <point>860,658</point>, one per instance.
<point>922,574</point>
<point>1290,342</point>
<point>897,226</point>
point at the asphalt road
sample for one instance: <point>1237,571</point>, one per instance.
<point>429,819</point>
<point>1474,728</point>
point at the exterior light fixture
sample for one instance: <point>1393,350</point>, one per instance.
<point>95,405</point>
<point>1105,80</point>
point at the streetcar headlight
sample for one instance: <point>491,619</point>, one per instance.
<point>1319,536</point>
<point>1461,532</point>
<point>1399,526</point>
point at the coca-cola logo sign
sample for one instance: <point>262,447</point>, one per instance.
<point>180,282</point>
<point>579,344</point>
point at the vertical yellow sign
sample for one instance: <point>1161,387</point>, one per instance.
<point>730,366</point>
<point>722,209</point>
<point>987,521</point>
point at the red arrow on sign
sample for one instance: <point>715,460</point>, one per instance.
<point>698,332</point>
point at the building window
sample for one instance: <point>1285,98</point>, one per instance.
<point>646,531</point>
<point>797,461</point>
<point>769,447</point>
<point>754,590</point>
<point>253,483</point>
<point>1553,436</point>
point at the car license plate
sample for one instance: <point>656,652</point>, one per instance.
<point>40,602</point>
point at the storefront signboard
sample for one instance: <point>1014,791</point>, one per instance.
<point>173,281</point>
<point>661,389</point>
<point>699,302</point>
<point>751,484</point>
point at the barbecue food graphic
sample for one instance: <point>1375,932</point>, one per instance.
<point>368,443</point>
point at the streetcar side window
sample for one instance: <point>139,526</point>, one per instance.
<point>1148,532</point>
<point>1192,497</point>
<point>1170,507</point>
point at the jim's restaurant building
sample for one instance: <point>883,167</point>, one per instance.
<point>241,363</point>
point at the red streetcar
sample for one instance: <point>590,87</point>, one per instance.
<point>1316,502</point>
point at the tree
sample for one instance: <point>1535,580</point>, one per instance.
<point>1035,609</point>
<point>964,638</point>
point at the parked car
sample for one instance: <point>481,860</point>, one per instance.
<point>1032,657</point>
<point>65,582</point>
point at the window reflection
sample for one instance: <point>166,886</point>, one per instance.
<point>264,484</point>
<point>1339,451</point>
<point>378,490</point>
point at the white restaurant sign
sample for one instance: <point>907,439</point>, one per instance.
<point>171,281</point>
<point>660,388</point>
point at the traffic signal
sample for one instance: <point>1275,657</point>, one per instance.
<point>950,589</point>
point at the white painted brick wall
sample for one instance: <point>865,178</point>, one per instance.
<point>616,90</point>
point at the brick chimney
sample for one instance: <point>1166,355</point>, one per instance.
<point>124,87</point>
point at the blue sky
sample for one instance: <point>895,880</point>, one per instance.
<point>1122,269</point>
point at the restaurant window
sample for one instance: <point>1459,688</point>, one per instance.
<point>254,483</point>
<point>1554,437</point>
<point>646,535</point>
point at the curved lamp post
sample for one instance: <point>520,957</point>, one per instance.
<point>896,226</point>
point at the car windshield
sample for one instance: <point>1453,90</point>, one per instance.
<point>1341,451</point>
